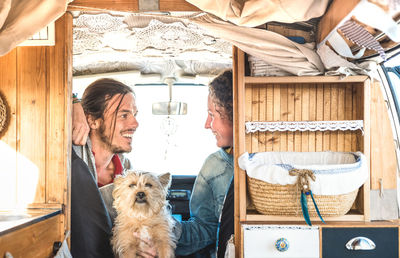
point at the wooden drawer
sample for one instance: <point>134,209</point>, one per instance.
<point>386,240</point>
<point>259,241</point>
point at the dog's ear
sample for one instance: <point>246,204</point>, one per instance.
<point>165,179</point>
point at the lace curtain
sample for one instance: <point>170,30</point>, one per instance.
<point>20,19</point>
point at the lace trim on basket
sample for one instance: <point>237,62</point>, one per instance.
<point>345,125</point>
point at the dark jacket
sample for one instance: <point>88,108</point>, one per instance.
<point>91,228</point>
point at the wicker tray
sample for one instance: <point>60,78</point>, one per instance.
<point>284,200</point>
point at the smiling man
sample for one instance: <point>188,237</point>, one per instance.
<point>110,110</point>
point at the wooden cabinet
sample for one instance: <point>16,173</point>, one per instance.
<point>333,240</point>
<point>35,239</point>
<point>295,99</point>
<point>280,241</point>
<point>384,241</point>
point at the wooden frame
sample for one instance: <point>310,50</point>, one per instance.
<point>132,6</point>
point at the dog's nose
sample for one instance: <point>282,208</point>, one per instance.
<point>140,195</point>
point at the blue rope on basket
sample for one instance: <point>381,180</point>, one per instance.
<point>303,176</point>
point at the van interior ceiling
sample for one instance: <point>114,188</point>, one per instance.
<point>316,96</point>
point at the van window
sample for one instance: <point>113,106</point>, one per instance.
<point>392,71</point>
<point>391,89</point>
<point>177,144</point>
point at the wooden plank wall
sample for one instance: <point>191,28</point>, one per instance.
<point>304,102</point>
<point>36,84</point>
<point>383,155</point>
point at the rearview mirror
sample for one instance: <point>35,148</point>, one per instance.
<point>170,107</point>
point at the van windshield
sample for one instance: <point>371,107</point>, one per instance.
<point>177,144</point>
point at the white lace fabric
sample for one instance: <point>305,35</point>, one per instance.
<point>303,126</point>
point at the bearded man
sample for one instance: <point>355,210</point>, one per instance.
<point>110,111</point>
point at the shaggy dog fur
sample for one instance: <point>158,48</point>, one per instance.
<point>140,201</point>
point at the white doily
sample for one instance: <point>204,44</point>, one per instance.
<point>302,126</point>
<point>172,39</point>
<point>99,23</point>
<point>85,41</point>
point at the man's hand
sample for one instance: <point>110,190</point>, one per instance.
<point>147,249</point>
<point>80,127</point>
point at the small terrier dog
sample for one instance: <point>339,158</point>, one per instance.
<point>142,213</point>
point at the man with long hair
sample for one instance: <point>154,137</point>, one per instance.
<point>110,111</point>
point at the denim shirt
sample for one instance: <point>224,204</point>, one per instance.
<point>206,203</point>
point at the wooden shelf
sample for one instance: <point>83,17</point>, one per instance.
<point>304,79</point>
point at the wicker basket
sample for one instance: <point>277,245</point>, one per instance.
<point>275,181</point>
<point>284,200</point>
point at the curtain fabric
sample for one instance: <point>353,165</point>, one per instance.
<point>252,13</point>
<point>273,48</point>
<point>20,19</point>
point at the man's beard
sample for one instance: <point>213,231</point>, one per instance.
<point>107,142</point>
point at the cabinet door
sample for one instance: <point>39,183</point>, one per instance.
<point>386,242</point>
<point>261,240</point>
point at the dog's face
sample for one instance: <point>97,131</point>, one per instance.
<point>140,194</point>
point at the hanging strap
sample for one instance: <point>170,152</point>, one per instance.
<point>371,15</point>
<point>360,36</point>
